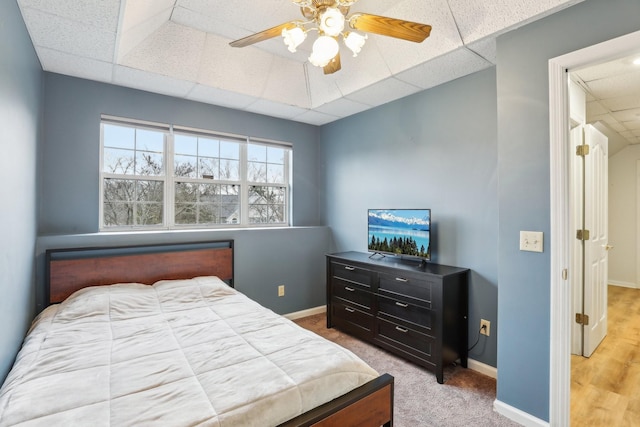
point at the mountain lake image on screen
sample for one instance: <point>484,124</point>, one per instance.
<point>403,232</point>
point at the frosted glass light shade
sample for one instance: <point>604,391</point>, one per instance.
<point>354,42</point>
<point>331,22</point>
<point>325,48</point>
<point>293,38</point>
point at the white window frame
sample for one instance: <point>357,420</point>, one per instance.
<point>170,180</point>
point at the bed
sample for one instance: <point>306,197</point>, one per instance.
<point>157,335</point>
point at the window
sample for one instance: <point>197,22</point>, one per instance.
<point>160,176</point>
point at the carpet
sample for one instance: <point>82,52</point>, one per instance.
<point>465,399</point>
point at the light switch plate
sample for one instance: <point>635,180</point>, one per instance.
<point>531,241</point>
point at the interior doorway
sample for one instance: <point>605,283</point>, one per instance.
<point>561,235</point>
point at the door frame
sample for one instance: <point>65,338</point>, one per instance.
<point>559,125</point>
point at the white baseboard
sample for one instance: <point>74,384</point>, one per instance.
<point>305,313</point>
<point>517,415</point>
<point>483,368</point>
<point>623,284</point>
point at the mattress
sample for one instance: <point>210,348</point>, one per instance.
<point>177,353</point>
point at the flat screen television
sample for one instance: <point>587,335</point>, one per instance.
<point>402,232</point>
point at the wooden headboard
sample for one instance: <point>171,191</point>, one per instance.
<point>68,270</point>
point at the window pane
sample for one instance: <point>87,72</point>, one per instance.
<point>118,214</point>
<point>149,163</point>
<point>256,172</point>
<point>118,190</point>
<point>229,150</point>
<point>275,155</point>
<point>208,147</point>
<point>185,213</point>
<point>229,170</point>
<point>266,204</point>
<point>150,191</point>
<point>186,192</point>
<point>257,153</point>
<point>186,145</point>
<point>185,166</point>
<point>275,174</point>
<point>149,140</point>
<point>119,136</point>
<point>118,161</point>
<point>149,214</point>
<point>208,168</point>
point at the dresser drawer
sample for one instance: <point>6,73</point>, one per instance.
<point>351,319</point>
<point>416,288</point>
<point>352,293</point>
<point>352,274</point>
<point>406,339</point>
<point>420,316</point>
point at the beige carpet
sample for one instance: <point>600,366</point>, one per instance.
<point>465,399</point>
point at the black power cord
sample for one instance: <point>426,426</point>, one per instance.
<point>477,340</point>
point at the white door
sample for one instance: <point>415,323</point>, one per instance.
<point>596,248</point>
<point>589,184</point>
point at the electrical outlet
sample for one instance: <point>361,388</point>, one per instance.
<point>281,290</point>
<point>485,327</point>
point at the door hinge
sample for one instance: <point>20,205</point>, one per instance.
<point>582,150</point>
<point>582,319</point>
<point>582,235</point>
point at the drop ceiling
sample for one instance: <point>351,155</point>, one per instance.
<point>181,48</point>
<point>613,99</point>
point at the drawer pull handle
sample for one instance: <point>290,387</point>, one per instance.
<point>401,304</point>
<point>349,309</point>
<point>346,288</point>
<point>403,330</point>
<point>400,279</point>
<point>346,267</point>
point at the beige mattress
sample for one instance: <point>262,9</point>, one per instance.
<point>178,353</point>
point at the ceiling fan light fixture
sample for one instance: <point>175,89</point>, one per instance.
<point>293,37</point>
<point>325,48</point>
<point>331,22</point>
<point>354,42</point>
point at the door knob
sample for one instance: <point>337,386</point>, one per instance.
<point>607,247</point>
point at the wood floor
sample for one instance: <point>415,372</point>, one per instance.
<point>605,388</point>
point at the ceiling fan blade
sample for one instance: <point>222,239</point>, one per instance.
<point>262,35</point>
<point>333,65</point>
<point>406,30</point>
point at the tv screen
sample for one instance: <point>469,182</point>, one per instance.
<point>404,232</point>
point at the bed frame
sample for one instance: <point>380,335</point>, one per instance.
<point>68,270</point>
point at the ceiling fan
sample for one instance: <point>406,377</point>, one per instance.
<point>329,18</point>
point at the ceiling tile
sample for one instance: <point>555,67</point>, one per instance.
<point>130,77</point>
<point>140,11</point>
<point>478,19</point>
<point>315,118</point>
<point>383,91</point>
<point>486,48</point>
<point>342,107</point>
<point>173,50</point>
<point>622,102</point>
<point>73,37</point>
<point>222,97</point>
<point>86,68</point>
<point>99,14</point>
<point>134,36</point>
<point>458,63</point>
<point>274,109</point>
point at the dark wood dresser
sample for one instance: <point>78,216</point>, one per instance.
<point>417,311</point>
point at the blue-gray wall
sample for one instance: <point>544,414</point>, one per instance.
<point>265,258</point>
<point>524,187</point>
<point>20,107</point>
<point>436,149</point>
